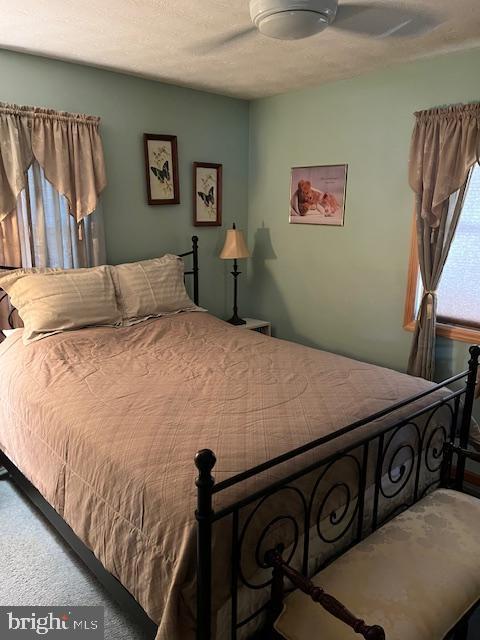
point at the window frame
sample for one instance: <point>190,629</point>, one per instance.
<point>447,330</point>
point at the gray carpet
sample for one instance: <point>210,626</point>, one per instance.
<point>38,568</point>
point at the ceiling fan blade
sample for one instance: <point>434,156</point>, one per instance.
<point>224,41</point>
<point>383,21</point>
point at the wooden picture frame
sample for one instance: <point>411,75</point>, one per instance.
<point>161,169</point>
<point>207,194</point>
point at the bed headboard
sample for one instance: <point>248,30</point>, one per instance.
<point>190,271</point>
<point>194,269</point>
<point>6,310</point>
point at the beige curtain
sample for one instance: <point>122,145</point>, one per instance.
<point>67,146</point>
<point>10,245</point>
<point>445,146</point>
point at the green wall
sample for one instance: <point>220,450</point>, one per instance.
<point>343,289</point>
<point>210,128</point>
<point>338,288</point>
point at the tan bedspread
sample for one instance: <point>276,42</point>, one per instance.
<point>105,423</point>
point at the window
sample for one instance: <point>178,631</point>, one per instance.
<point>49,235</point>
<point>458,310</point>
<point>41,232</point>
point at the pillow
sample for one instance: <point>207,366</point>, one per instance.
<point>151,288</point>
<point>54,301</point>
<point>7,317</point>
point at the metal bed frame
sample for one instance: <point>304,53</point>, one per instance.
<point>194,270</point>
<point>4,297</point>
<point>429,449</point>
<point>429,455</point>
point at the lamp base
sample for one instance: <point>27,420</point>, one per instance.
<point>236,320</point>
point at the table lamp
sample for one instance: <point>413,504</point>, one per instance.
<point>234,249</point>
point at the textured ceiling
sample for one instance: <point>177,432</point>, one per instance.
<point>173,41</point>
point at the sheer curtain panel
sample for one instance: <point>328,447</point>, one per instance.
<point>48,235</point>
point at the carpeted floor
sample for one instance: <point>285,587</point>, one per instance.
<point>38,568</point>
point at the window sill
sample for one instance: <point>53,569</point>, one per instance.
<point>463,334</point>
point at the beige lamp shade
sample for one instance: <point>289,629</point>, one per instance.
<point>235,246</point>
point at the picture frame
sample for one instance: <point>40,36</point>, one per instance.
<point>161,169</point>
<point>318,194</point>
<point>207,194</point>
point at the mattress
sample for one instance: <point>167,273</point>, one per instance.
<point>105,422</point>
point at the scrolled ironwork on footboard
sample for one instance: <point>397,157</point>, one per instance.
<point>336,490</point>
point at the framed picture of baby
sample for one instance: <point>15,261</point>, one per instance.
<point>317,194</point>
<point>207,194</point>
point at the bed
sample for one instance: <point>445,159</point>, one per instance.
<point>105,422</point>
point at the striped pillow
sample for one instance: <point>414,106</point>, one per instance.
<point>56,300</point>
<point>151,288</point>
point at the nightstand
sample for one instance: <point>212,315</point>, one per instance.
<point>257,325</point>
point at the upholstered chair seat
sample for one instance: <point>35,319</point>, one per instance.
<point>416,576</point>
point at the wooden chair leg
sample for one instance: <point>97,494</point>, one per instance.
<point>328,602</point>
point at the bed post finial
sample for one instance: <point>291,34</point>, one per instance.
<point>470,388</point>
<point>474,352</point>
<point>204,461</point>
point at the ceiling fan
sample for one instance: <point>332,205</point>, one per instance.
<point>297,19</point>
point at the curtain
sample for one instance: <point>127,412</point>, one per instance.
<point>445,146</point>
<point>51,174</point>
<point>40,232</point>
<point>10,245</point>
<point>67,146</point>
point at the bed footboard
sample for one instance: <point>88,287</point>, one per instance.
<point>326,503</point>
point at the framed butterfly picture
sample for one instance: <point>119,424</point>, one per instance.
<point>161,168</point>
<point>207,194</point>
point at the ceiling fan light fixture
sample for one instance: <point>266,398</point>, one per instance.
<point>292,19</point>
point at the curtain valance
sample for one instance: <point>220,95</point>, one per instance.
<point>445,146</point>
<point>67,146</point>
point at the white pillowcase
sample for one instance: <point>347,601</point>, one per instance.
<point>151,288</point>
